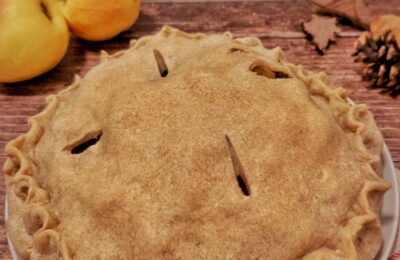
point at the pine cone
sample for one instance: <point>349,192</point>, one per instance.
<point>379,50</point>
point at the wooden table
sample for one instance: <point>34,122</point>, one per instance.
<point>277,23</point>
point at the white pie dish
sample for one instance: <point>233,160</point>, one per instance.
<point>390,207</point>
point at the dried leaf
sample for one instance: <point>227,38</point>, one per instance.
<point>322,29</point>
<point>354,10</point>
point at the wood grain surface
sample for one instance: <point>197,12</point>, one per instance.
<point>277,23</point>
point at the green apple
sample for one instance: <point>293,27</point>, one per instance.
<point>34,37</point>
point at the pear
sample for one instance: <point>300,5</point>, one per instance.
<point>34,38</point>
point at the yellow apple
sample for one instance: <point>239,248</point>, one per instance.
<point>97,21</point>
<point>34,37</point>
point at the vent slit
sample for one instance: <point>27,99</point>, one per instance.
<point>234,49</point>
<point>262,70</point>
<point>238,168</point>
<point>84,144</point>
<point>281,75</point>
<point>242,185</point>
<point>162,66</point>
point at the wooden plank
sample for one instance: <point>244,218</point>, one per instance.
<point>4,253</point>
<point>277,23</point>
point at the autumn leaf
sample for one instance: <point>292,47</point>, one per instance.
<point>323,30</point>
<point>354,10</point>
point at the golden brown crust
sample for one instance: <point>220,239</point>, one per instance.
<point>32,227</point>
<point>39,218</point>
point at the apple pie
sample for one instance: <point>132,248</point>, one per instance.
<point>193,146</point>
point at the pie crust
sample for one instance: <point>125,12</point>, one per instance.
<point>187,146</point>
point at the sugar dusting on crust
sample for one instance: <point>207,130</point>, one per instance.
<point>39,222</point>
<point>356,121</point>
<point>366,142</point>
